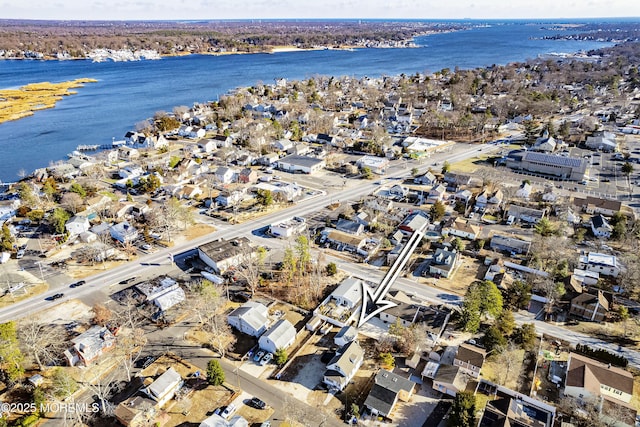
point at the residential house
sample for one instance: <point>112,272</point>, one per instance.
<point>164,293</point>
<point>489,200</point>
<point>342,241</point>
<point>251,318</point>
<point>244,159</point>
<point>77,225</point>
<point>509,244</point>
<point>601,227</point>
<point>291,227</point>
<point>342,305</point>
<point>128,154</point>
<point>508,408</point>
<point>190,192</point>
<point>525,214</point>
<point>123,232</point>
<point>268,159</point>
<point>463,196</point>
<point>281,335</point>
<point>444,263</point>
<point>455,180</point>
<point>350,227</point>
<point>222,254</point>
<point>426,179</point>
<point>216,420</point>
<point>137,411</point>
<point>230,197</point>
<point>164,388</point>
<point>470,359</point>
<point>248,176</point>
<point>524,191</point>
<point>593,307</point>
<point>596,205</point>
<point>387,389</point>
<point>223,141</point>
<point>225,175</point>
<point>545,143</point>
<point>282,144</point>
<point>589,379</point>
<point>303,164</point>
<point>344,365</point>
<point>90,345</point>
<point>450,380</point>
<point>414,221</point>
<point>207,146</point>
<point>607,265</point>
<point>345,335</point>
<point>461,228</point>
<point>398,191</point>
<point>437,193</point>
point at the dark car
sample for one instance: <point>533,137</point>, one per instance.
<point>77,284</point>
<point>55,296</point>
<point>127,281</point>
<point>145,362</point>
<point>257,403</point>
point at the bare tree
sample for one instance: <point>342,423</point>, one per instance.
<point>72,202</point>
<point>129,315</point>
<point>102,388</point>
<point>101,314</point>
<point>250,265</point>
<point>43,342</point>
<point>129,346</point>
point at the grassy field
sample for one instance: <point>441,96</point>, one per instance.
<point>24,101</point>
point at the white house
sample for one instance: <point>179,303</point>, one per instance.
<point>77,225</point>
<point>345,336</point>
<point>349,293</point>
<point>123,232</point>
<point>604,264</point>
<point>280,335</point>
<point>461,228</point>
<point>288,228</point>
<point>344,365</point>
<point>225,175</point>
<point>601,227</point>
<point>251,318</point>
<point>164,387</point>
<point>587,378</point>
<point>444,263</point>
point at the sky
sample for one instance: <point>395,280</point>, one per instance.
<point>290,9</point>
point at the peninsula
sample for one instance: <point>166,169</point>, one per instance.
<point>18,103</point>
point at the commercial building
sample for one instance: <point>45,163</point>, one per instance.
<point>567,168</point>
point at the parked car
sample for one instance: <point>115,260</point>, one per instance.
<point>266,359</point>
<point>228,411</point>
<point>127,281</point>
<point>257,403</point>
<point>259,355</point>
<point>20,254</point>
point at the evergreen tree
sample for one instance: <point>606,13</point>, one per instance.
<point>463,410</point>
<point>215,373</point>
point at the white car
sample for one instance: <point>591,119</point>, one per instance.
<point>228,411</point>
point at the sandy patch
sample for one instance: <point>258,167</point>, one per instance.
<point>197,231</point>
<point>66,312</point>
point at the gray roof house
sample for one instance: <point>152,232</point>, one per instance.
<point>280,335</point>
<point>444,263</point>
<point>387,389</point>
<point>344,366</point>
<point>251,318</point>
<point>164,387</point>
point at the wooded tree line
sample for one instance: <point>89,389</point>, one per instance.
<point>77,38</point>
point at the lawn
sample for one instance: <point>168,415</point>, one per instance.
<point>495,371</point>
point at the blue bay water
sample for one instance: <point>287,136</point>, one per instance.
<point>128,92</point>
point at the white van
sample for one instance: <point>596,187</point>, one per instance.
<point>511,220</point>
